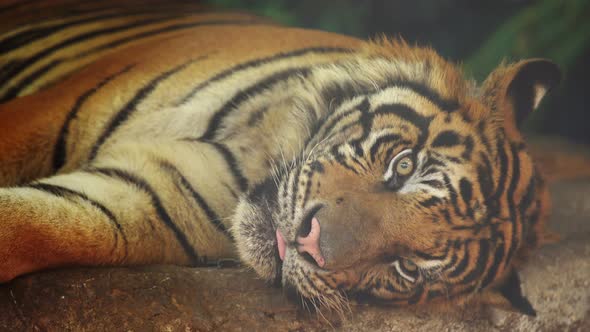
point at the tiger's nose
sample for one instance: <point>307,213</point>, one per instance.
<point>310,243</point>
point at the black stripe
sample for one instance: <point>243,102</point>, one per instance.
<point>454,258</point>
<point>463,263</point>
<point>265,192</point>
<point>340,91</point>
<point>29,79</point>
<point>430,202</point>
<point>482,132</point>
<point>406,113</point>
<point>389,138</point>
<point>60,153</point>
<point>231,191</point>
<point>434,293</point>
<point>251,91</point>
<point>447,138</point>
<point>211,215</point>
<point>417,295</point>
<point>341,159</point>
<point>358,159</point>
<point>480,264</point>
<point>432,161</point>
<point>503,160</point>
<point>65,192</point>
<point>28,36</point>
<point>294,191</point>
<point>333,119</point>
<point>70,41</point>
<point>433,183</point>
<point>311,283</point>
<point>366,122</point>
<point>498,257</point>
<point>17,88</point>
<point>389,286</point>
<point>466,190</point>
<point>307,191</point>
<point>431,257</point>
<point>7,68</point>
<point>468,142</point>
<point>131,106</point>
<point>144,186</point>
<point>230,160</point>
<point>514,218</point>
<point>485,178</point>
<point>257,63</point>
<point>447,216</point>
<point>446,105</point>
<point>493,201</point>
<point>317,166</point>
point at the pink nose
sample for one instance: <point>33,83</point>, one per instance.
<point>311,243</point>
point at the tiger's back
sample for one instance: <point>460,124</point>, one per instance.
<point>154,79</point>
<point>231,135</point>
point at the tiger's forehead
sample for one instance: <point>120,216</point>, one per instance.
<point>425,81</point>
<point>422,64</point>
<point>403,110</point>
<point>388,96</point>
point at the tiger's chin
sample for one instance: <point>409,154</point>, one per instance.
<point>254,233</point>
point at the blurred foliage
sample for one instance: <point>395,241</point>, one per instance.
<point>558,30</point>
<point>346,17</point>
<point>480,34</point>
<point>274,9</point>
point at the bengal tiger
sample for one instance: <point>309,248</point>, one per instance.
<point>332,166</point>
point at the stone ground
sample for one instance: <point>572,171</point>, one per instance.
<point>169,298</point>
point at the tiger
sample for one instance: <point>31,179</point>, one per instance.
<point>334,167</point>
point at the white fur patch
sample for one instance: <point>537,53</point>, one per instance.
<point>540,92</point>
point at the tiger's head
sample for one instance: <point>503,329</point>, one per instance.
<point>414,187</point>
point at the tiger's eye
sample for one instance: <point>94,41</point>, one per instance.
<point>409,265</point>
<point>406,269</point>
<point>405,166</point>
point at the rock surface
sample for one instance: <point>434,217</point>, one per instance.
<point>168,298</point>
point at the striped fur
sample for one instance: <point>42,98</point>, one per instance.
<point>193,138</point>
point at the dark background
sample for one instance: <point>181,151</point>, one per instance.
<point>478,34</point>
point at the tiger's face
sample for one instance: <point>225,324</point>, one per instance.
<point>405,196</point>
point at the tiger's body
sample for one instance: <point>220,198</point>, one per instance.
<point>234,137</point>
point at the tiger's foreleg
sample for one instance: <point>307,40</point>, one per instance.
<point>97,216</point>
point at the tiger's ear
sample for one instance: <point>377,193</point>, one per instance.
<point>518,89</point>
<point>508,296</point>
